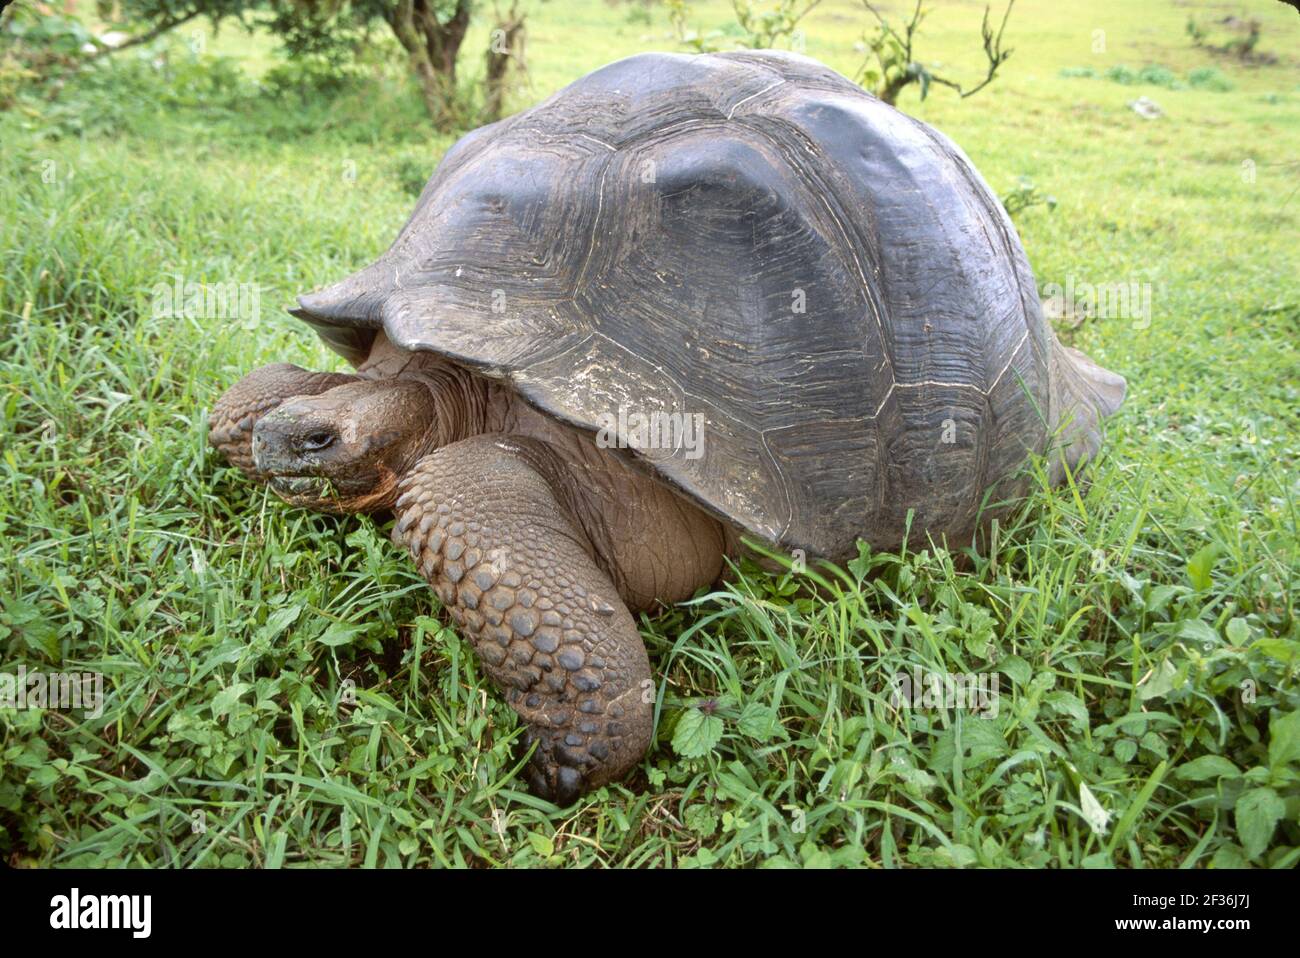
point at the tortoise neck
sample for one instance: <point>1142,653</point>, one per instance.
<point>465,405</point>
<point>461,404</point>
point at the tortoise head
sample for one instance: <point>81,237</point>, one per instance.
<point>344,450</point>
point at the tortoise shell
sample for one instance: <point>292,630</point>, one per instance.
<point>751,239</point>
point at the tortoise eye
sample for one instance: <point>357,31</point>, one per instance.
<point>317,441</point>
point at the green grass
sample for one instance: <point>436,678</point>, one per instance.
<point>1141,621</point>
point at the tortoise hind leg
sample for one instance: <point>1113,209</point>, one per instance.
<point>490,527</point>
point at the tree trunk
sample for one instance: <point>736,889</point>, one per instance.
<point>889,92</point>
<point>506,44</point>
<point>443,40</point>
<point>431,48</point>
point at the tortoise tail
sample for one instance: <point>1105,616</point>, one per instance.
<point>1083,394</point>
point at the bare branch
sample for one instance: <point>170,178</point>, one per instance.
<point>992,50</point>
<point>147,37</point>
<point>894,52</point>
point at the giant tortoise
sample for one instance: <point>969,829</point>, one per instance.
<point>686,302</point>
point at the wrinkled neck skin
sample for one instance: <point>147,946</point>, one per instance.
<point>461,402</point>
<point>464,404</point>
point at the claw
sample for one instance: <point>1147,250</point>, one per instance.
<point>561,784</point>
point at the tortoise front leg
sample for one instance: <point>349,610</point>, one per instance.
<point>230,425</point>
<point>487,521</point>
